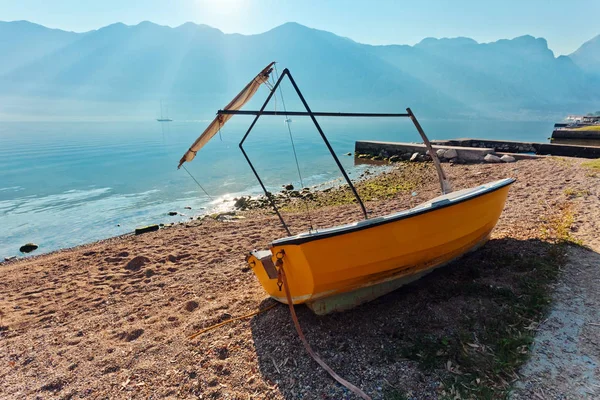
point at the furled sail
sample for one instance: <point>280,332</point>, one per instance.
<point>238,102</point>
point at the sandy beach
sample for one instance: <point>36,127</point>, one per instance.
<point>89,323</point>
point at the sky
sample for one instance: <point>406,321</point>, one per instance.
<point>564,24</point>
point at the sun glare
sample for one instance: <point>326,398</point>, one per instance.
<point>222,7</point>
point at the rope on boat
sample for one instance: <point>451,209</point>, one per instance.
<point>309,349</point>
<point>200,332</point>
<point>197,183</point>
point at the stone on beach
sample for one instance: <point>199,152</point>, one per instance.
<point>507,158</point>
<point>440,153</point>
<point>490,158</point>
<point>145,229</point>
<point>28,248</point>
<point>414,157</point>
<point>242,202</point>
<point>450,154</point>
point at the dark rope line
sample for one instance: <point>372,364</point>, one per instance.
<point>294,150</point>
<point>198,183</point>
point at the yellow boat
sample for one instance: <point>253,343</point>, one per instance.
<point>340,267</point>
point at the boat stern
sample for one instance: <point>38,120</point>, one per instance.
<point>264,266</point>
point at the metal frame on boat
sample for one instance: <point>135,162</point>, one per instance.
<point>286,73</point>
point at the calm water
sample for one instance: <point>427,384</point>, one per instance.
<point>65,184</point>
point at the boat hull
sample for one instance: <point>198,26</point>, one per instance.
<point>340,268</point>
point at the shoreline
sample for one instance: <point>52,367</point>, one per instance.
<point>79,322</point>
<point>371,169</point>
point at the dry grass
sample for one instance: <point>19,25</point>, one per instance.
<point>589,128</point>
<point>594,164</point>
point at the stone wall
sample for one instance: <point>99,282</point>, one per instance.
<point>575,134</point>
<point>509,146</point>
<point>407,151</point>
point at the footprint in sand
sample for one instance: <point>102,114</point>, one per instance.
<point>136,263</point>
<point>131,335</point>
<point>191,305</point>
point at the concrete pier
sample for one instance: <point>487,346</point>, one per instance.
<point>575,134</point>
<point>471,150</point>
<point>406,150</point>
<point>509,146</point>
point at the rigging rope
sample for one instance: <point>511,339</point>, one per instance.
<point>293,148</point>
<point>200,332</point>
<point>197,183</point>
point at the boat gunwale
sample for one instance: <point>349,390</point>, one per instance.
<point>295,240</point>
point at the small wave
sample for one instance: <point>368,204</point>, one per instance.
<point>12,189</point>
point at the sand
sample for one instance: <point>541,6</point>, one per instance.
<point>82,323</point>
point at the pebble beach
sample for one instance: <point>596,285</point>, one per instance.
<point>112,319</point>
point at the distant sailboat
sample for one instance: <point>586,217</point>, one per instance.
<point>166,117</point>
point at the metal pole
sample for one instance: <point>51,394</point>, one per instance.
<point>306,114</point>
<point>337,161</point>
<point>444,183</point>
<point>250,163</point>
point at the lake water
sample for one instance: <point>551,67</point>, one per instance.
<point>67,183</point>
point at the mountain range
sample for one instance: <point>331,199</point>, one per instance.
<point>123,71</point>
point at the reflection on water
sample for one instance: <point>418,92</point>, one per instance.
<point>65,184</point>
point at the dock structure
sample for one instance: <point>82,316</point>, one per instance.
<point>579,134</point>
<point>578,127</point>
<point>470,150</point>
<point>405,151</point>
<point>545,149</point>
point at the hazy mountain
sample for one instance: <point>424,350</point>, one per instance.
<point>588,56</point>
<point>125,70</point>
<point>506,75</point>
<point>22,42</point>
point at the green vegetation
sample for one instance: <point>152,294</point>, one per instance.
<point>405,179</point>
<point>589,128</point>
<point>594,164</point>
<point>502,294</point>
<point>394,394</point>
<point>483,311</point>
<point>574,193</point>
<point>557,227</point>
